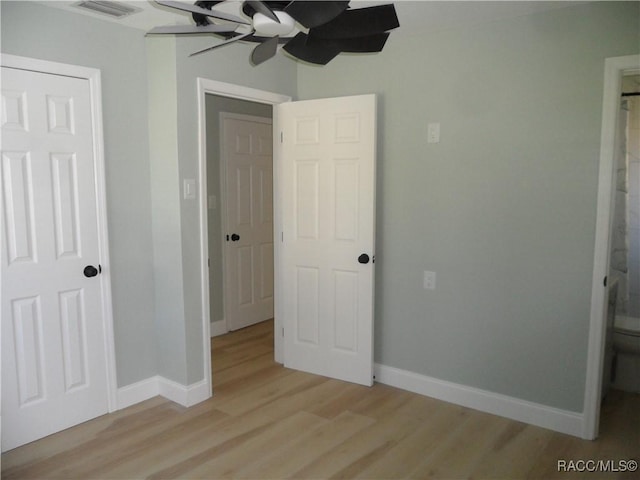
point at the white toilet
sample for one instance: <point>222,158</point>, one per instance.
<point>626,345</point>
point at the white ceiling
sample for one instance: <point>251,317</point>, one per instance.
<point>414,16</point>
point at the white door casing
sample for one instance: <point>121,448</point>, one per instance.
<point>247,161</point>
<point>327,167</point>
<point>56,345</point>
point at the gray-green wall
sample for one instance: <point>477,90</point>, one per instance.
<point>503,208</point>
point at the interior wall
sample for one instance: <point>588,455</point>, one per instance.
<point>215,105</point>
<point>33,30</point>
<point>502,208</point>
<point>230,65</point>
<point>166,190</point>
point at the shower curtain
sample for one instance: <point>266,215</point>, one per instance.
<point>619,239</point>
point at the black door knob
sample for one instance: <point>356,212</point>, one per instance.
<point>364,258</point>
<point>235,237</point>
<point>90,271</point>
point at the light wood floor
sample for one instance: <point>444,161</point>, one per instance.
<point>266,421</point>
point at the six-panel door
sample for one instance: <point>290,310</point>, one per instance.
<point>328,208</point>
<point>53,349</point>
<point>247,151</point>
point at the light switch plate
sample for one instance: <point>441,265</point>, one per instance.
<point>433,133</point>
<point>429,280</point>
<point>189,189</point>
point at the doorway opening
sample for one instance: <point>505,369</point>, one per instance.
<point>614,70</point>
<point>229,97</point>
<point>239,199</point>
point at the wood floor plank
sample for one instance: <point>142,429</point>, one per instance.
<point>308,446</point>
<point>171,458</point>
<point>73,437</point>
<point>245,379</point>
<point>401,459</point>
<point>262,330</point>
<point>353,455</point>
<point>516,453</point>
<point>279,438</point>
<point>189,429</point>
<point>312,399</point>
<point>255,369</point>
<point>232,356</point>
<point>463,449</point>
<point>268,422</point>
<point>289,383</point>
<point>126,430</point>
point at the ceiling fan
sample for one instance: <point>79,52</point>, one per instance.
<point>324,28</point>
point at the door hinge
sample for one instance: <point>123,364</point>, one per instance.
<point>209,262</point>
<point>283,331</point>
<point>281,137</point>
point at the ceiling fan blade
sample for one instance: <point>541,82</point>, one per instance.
<point>319,54</point>
<point>360,22</point>
<point>265,50</point>
<point>367,44</point>
<point>189,29</point>
<point>315,13</point>
<point>202,11</point>
<point>226,42</point>
<point>264,9</point>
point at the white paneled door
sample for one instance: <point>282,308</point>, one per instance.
<point>54,372</point>
<point>328,209</point>
<point>247,152</point>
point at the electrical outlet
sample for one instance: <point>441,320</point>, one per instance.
<point>433,133</point>
<point>429,281</point>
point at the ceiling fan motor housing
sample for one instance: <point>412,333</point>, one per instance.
<point>264,26</point>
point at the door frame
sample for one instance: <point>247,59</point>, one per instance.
<point>224,200</point>
<point>206,86</point>
<point>614,69</point>
<point>93,76</point>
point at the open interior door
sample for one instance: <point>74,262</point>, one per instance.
<point>327,164</point>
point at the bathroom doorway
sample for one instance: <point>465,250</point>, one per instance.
<point>615,68</point>
<point>625,242</point>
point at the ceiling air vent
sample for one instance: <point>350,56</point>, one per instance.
<point>113,9</point>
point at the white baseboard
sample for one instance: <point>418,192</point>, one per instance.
<point>184,395</point>
<point>154,386</point>
<point>137,392</point>
<point>218,328</point>
<point>563,421</point>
